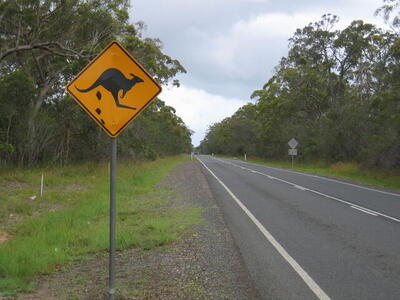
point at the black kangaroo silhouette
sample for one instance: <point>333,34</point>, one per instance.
<point>113,81</point>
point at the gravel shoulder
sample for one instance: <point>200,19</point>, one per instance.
<point>202,264</point>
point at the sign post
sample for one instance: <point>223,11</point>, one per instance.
<point>293,151</point>
<point>113,89</point>
<point>113,216</point>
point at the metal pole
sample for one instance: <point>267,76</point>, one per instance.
<point>113,212</point>
<point>292,161</point>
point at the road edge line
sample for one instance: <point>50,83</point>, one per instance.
<point>314,287</point>
<point>315,192</point>
<point>360,186</point>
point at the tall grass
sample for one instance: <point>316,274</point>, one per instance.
<point>42,241</point>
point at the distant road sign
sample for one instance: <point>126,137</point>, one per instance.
<point>113,89</point>
<point>293,143</point>
<point>293,152</point>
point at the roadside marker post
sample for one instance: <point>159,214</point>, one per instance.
<point>293,151</point>
<point>41,186</point>
<point>97,89</point>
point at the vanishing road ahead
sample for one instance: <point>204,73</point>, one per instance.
<point>308,237</point>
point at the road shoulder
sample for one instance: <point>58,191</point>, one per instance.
<point>203,264</point>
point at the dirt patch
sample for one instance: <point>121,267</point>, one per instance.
<point>10,186</point>
<point>75,187</point>
<point>42,293</point>
<point>202,264</point>
<point>12,220</point>
<point>4,237</point>
<point>53,207</point>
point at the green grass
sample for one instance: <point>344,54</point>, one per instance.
<point>345,170</point>
<point>72,217</point>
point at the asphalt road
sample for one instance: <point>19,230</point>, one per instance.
<point>308,237</point>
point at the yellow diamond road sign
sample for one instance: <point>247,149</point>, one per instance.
<point>113,89</point>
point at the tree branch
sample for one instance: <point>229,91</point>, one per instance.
<point>45,46</point>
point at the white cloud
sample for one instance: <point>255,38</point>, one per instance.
<point>271,25</point>
<point>247,52</point>
<point>251,48</point>
<point>198,108</point>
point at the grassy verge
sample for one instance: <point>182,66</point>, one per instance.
<point>71,219</point>
<point>349,170</point>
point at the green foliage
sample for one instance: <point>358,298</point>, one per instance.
<point>235,135</point>
<point>336,92</point>
<point>43,45</point>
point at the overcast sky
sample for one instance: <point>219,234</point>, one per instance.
<point>230,47</point>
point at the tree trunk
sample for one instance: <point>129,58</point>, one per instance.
<point>31,138</point>
<point>8,129</point>
<point>66,147</point>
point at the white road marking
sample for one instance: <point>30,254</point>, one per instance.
<point>314,287</point>
<point>300,187</point>
<point>364,211</point>
<point>326,178</point>
<point>322,194</point>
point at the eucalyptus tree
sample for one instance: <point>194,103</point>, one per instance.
<point>45,43</point>
<point>45,39</point>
